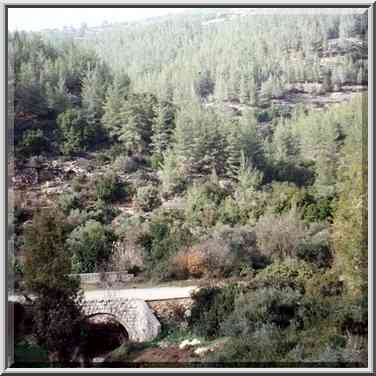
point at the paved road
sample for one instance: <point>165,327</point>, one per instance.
<point>147,294</point>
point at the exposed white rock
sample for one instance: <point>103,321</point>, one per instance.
<point>202,350</point>
<point>187,343</point>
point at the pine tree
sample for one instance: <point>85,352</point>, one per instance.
<point>252,90</point>
<point>233,150</point>
<point>327,84</point>
<point>250,142</point>
<point>184,134</point>
<point>249,178</point>
<point>137,114</point>
<point>57,96</point>
<point>285,145</point>
<point>243,90</point>
<point>161,134</point>
<point>350,221</point>
<point>115,97</point>
<point>93,90</point>
<point>204,85</point>
<point>171,173</point>
<point>75,136</point>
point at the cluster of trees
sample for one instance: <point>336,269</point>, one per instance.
<point>250,228</point>
<point>247,58</point>
<point>270,197</point>
<point>68,101</point>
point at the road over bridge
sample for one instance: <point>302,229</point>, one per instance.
<point>130,307</point>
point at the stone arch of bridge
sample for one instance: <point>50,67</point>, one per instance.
<point>128,330</point>
<point>133,314</point>
<point>124,326</point>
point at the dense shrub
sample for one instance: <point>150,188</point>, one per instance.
<point>20,215</point>
<point>327,284</point>
<point>287,196</point>
<point>33,142</point>
<point>16,273</point>
<point>352,315</point>
<point>322,209</point>
<point>147,198</point>
<point>265,347</point>
<point>126,164</point>
<point>279,236</point>
<point>315,252</point>
<point>90,246</point>
<point>288,273</point>
<point>264,305</point>
<point>56,309</point>
<point>166,234</point>
<point>229,212</point>
<point>77,217</point>
<point>172,177</point>
<point>109,188</point>
<point>69,201</point>
<point>243,243</point>
<point>210,308</point>
<point>202,204</point>
<point>103,212</point>
<point>300,174</point>
<point>78,182</point>
<point>76,134</point>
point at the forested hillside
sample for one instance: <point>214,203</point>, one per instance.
<point>213,145</point>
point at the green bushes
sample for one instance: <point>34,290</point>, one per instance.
<point>33,142</point>
<point>103,212</point>
<point>69,201</point>
<point>319,210</point>
<point>315,252</point>
<point>166,234</point>
<point>229,212</point>
<point>288,273</point>
<point>352,316</point>
<point>265,347</point>
<point>287,196</point>
<point>56,307</point>
<point>147,198</point>
<point>243,245</point>
<point>211,307</point>
<point>262,306</point>
<point>109,188</point>
<point>90,246</point>
<point>75,133</point>
<point>28,354</point>
<point>202,204</point>
<point>172,178</point>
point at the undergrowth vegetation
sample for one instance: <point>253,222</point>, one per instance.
<point>199,168</point>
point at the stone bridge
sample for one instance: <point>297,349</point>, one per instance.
<point>133,314</point>
<point>134,308</point>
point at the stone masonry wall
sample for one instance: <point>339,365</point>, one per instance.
<point>172,311</point>
<point>134,314</point>
<point>95,278</point>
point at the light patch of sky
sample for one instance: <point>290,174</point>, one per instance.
<point>36,19</point>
